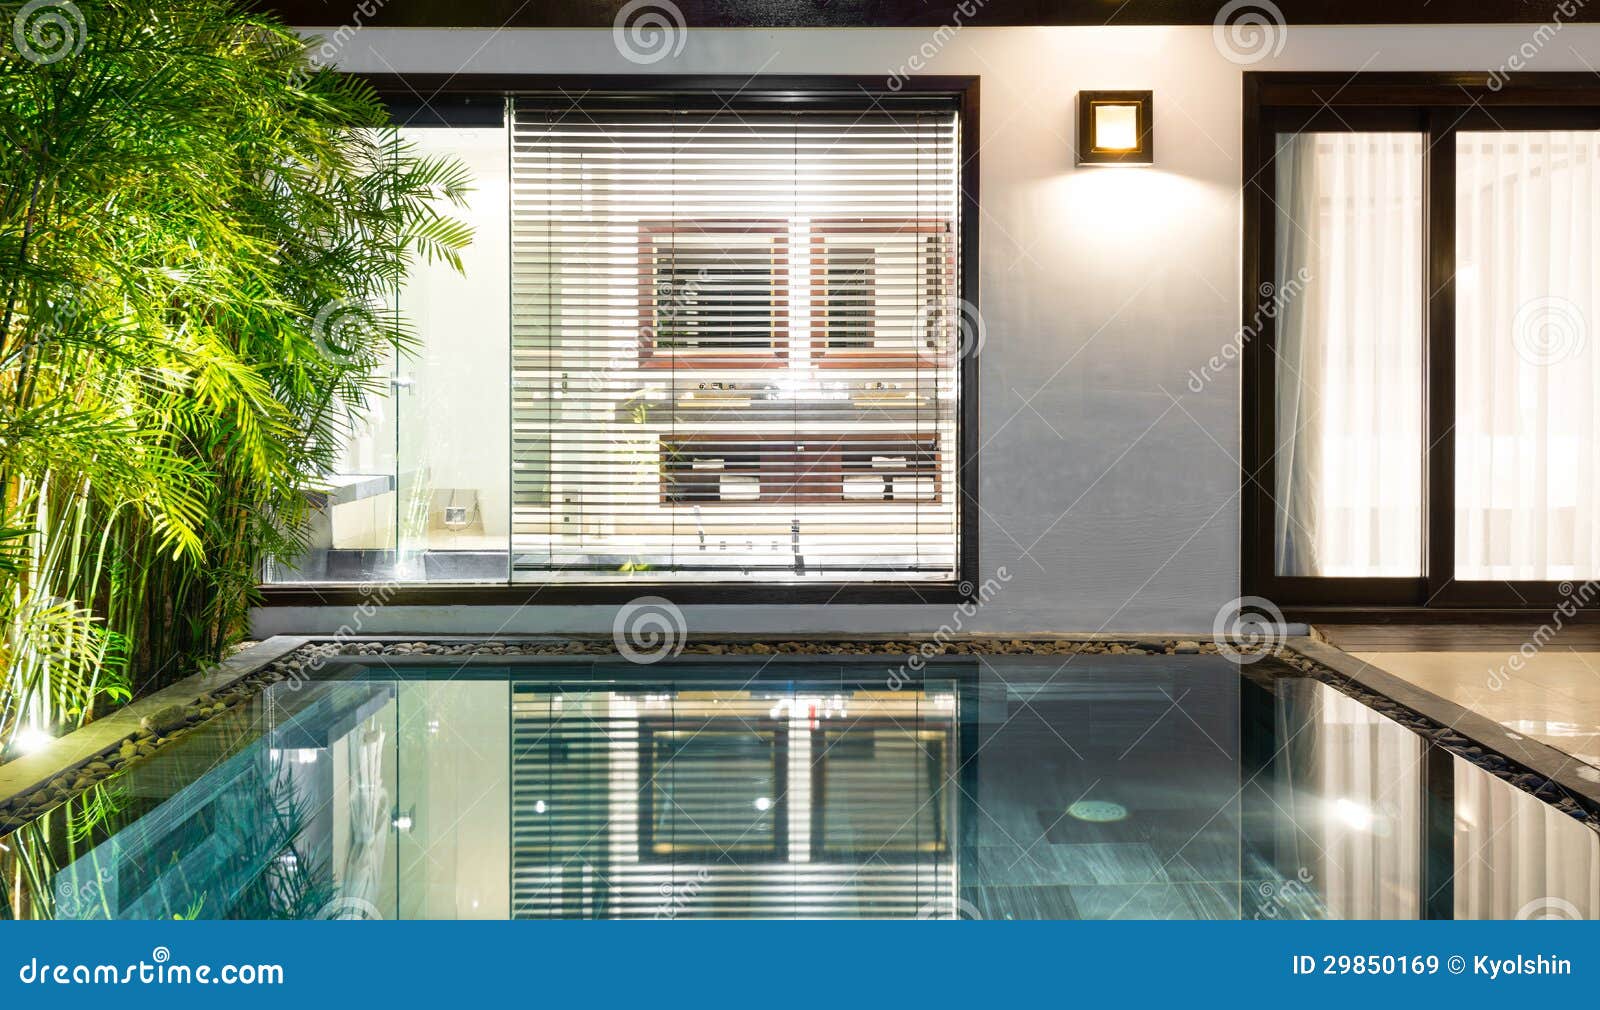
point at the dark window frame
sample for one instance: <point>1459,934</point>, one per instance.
<point>938,743</point>
<point>436,99</point>
<point>650,848</point>
<point>1437,105</point>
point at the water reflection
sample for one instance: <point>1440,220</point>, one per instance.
<point>1158,788</point>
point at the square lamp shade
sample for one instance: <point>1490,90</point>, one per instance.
<point>1114,128</point>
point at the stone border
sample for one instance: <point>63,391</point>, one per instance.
<point>33,785</point>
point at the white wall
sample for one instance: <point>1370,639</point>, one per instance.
<point>1110,491</point>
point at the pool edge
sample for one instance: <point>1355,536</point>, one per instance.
<point>1540,758</point>
<point>64,754</point>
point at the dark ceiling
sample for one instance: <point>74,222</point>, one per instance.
<point>890,13</point>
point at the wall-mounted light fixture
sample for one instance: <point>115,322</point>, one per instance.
<point>1115,128</point>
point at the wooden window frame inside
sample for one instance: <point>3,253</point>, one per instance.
<point>810,469</point>
<point>653,235</point>
<point>824,229</point>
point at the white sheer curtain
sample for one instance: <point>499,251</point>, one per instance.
<point>1518,857</point>
<point>1348,300</point>
<point>1527,373</point>
<point>1359,805</point>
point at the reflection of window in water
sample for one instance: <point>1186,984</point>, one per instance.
<point>726,801</point>
<point>689,773</point>
<point>875,790</point>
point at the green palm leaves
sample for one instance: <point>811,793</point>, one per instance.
<point>187,209</point>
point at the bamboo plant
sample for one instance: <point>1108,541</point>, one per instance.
<point>198,231</point>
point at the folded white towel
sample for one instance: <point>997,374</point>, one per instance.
<point>862,487</point>
<point>739,487</point>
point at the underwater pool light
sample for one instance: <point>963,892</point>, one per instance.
<point>1098,811</point>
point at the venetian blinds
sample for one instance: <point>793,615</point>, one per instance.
<point>734,343</point>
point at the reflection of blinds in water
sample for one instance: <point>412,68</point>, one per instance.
<point>711,788</point>
<point>731,804</point>
<point>875,792</point>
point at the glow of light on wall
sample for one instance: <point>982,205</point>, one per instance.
<point>1111,211</point>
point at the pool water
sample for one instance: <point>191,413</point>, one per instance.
<point>1005,787</point>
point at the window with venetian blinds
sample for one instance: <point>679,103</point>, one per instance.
<point>734,344</point>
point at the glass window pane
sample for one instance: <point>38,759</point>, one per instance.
<point>421,489</point>
<point>451,389</point>
<point>1527,381</point>
<point>1347,297</point>
<point>350,530</point>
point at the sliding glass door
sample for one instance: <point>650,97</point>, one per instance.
<point>1423,399</point>
<point>1527,375</point>
<point>1350,355</point>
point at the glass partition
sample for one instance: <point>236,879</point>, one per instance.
<point>421,490</point>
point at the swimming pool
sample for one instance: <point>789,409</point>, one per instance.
<point>795,786</point>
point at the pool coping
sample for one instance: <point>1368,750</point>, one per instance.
<point>1538,757</point>
<point>55,767</point>
<point>31,772</point>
